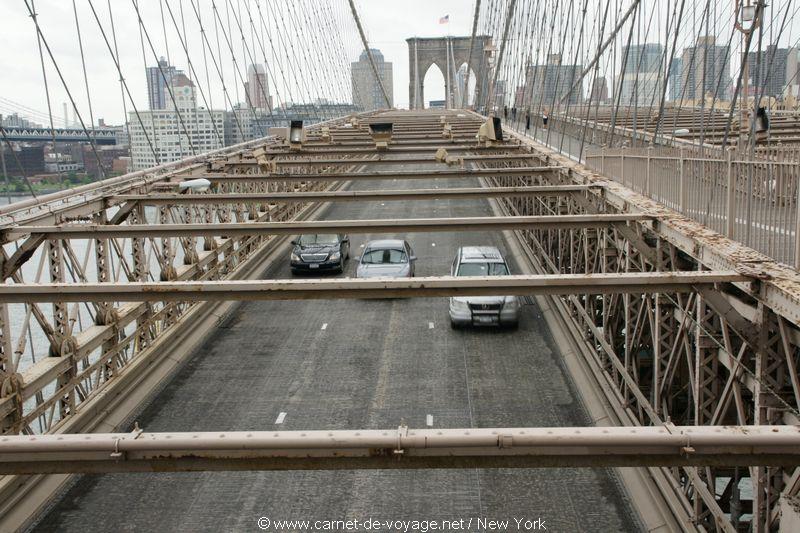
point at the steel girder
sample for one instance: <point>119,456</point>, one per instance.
<point>351,196</point>
<point>402,447</point>
<point>726,356</point>
<point>411,225</point>
<point>384,175</point>
<point>713,357</point>
<point>89,341</point>
<point>327,289</point>
<point>381,160</point>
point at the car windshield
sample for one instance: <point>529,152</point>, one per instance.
<point>307,240</point>
<point>482,269</point>
<point>382,256</point>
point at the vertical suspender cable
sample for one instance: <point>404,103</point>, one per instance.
<point>61,77</point>
<point>475,18</point>
<point>86,83</point>
<point>369,53</point>
<point>602,49</point>
<point>47,90</point>
<point>509,17</point>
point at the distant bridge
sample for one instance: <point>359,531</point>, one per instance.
<point>105,137</point>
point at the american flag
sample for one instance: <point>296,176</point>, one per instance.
<point>445,19</point>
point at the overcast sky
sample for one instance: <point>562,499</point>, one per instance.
<point>387,22</point>
<point>295,58</point>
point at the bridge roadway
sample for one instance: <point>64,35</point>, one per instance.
<point>375,364</point>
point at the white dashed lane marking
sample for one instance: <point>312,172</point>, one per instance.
<point>281,418</point>
<point>430,325</point>
<point>324,326</point>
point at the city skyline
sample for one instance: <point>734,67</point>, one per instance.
<point>389,23</point>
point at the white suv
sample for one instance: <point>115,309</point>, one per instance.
<point>482,310</point>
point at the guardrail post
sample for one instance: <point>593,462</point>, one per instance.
<point>731,203</point>
<point>622,165</point>
<point>682,184</point>
<point>647,171</point>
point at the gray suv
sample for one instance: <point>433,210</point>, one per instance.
<point>482,310</point>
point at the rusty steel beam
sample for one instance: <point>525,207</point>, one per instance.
<point>400,143</point>
<point>405,160</point>
<point>351,196</point>
<point>401,448</point>
<point>410,225</point>
<point>360,176</point>
<point>394,148</point>
<point>348,288</point>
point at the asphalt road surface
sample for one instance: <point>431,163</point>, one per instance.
<point>361,364</point>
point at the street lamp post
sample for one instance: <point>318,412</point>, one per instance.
<point>745,13</point>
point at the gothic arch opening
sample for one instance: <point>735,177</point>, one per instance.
<point>434,84</point>
<point>448,54</point>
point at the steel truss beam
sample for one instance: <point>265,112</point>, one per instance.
<point>393,175</point>
<point>400,161</point>
<point>400,448</point>
<point>411,225</point>
<point>394,148</point>
<point>350,196</point>
<point>401,142</point>
<point>711,357</point>
<point>326,289</point>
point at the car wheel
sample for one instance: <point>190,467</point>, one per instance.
<point>454,325</point>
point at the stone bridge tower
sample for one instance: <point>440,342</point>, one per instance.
<point>447,53</point>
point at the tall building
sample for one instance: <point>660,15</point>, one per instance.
<point>245,124</point>
<point>107,155</point>
<point>500,94</point>
<point>706,70</point>
<point>641,81</point>
<point>176,131</point>
<point>15,121</point>
<point>462,84</point>
<point>309,113</point>
<point>257,88</point>
<point>771,70</point>
<point>599,92</point>
<point>549,84</point>
<point>519,97</point>
<point>157,80</point>
<point>367,93</point>
<point>643,57</point>
<point>676,79</point>
<point>30,157</point>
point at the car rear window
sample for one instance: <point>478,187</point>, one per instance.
<point>482,269</point>
<point>306,240</point>
<point>382,256</point>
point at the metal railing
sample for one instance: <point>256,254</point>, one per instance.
<point>51,369</point>
<point>753,202</point>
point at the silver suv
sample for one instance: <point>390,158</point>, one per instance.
<point>482,310</point>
